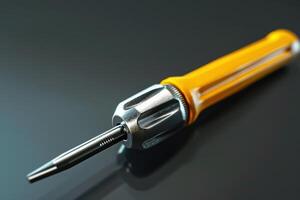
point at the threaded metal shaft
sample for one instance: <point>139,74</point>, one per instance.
<point>79,153</point>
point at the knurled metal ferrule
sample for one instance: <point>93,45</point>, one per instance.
<point>151,115</point>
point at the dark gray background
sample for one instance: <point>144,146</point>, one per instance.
<point>65,66</point>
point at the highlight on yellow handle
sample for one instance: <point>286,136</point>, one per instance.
<point>227,75</point>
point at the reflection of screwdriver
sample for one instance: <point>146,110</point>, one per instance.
<point>155,113</point>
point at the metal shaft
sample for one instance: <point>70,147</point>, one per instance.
<point>79,153</point>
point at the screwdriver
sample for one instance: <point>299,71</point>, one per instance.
<point>158,112</point>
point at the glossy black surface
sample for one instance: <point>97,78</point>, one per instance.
<point>65,66</point>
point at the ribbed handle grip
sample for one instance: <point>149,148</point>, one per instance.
<point>227,75</point>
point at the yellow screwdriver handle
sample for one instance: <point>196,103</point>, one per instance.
<point>227,75</point>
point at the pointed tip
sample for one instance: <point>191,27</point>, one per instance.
<point>78,153</point>
<point>45,170</point>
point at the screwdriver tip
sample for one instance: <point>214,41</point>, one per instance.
<point>78,153</point>
<point>45,170</point>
